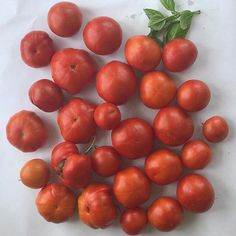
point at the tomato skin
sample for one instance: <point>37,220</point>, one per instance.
<point>195,193</point>
<point>196,154</point>
<point>179,54</point>
<point>133,138</point>
<point>102,35</point>
<point>165,214</point>
<point>157,89</point>
<point>129,181</point>
<point>64,19</point>
<point>107,116</point>
<point>142,53</point>
<point>173,126</point>
<point>133,220</point>
<point>106,161</point>
<point>116,82</point>
<point>56,203</point>
<point>75,120</point>
<point>36,49</point>
<point>163,167</point>
<point>215,129</point>
<point>26,131</point>
<point>73,69</point>
<point>193,95</point>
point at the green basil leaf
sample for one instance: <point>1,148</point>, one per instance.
<point>186,19</point>
<point>153,13</point>
<point>168,4</point>
<point>157,24</point>
<point>175,31</point>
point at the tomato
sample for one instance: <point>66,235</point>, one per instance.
<point>196,154</point>
<point>142,53</point>
<point>163,167</point>
<point>179,54</point>
<point>133,138</point>
<point>64,19</point>
<point>116,82</point>
<point>193,95</point>
<point>215,129</point>
<point>46,95</point>
<point>35,173</point>
<point>75,120</point>
<point>131,187</point>
<point>96,207</point>
<point>195,193</point>
<point>73,69</point>
<point>165,214</point>
<point>36,49</point>
<point>106,161</point>
<point>26,131</point>
<point>133,220</point>
<point>157,89</point>
<point>102,35</point>
<point>173,126</point>
<point>56,203</point>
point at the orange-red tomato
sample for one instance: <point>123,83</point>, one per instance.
<point>142,53</point>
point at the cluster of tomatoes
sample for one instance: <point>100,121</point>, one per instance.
<point>72,70</point>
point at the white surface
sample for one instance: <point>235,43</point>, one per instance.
<point>215,36</point>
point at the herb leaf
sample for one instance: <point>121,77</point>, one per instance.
<point>157,24</point>
<point>153,13</point>
<point>168,4</point>
<point>186,19</point>
<point>176,31</point>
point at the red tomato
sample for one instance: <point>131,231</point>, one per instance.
<point>116,82</point>
<point>107,116</point>
<point>165,214</point>
<point>46,95</point>
<point>195,154</point>
<point>73,69</point>
<point>133,138</point>
<point>163,167</point>
<point>75,120</point>
<point>26,131</point>
<point>193,95</point>
<point>36,49</point>
<point>102,35</point>
<point>195,193</point>
<point>179,54</point>
<point>64,19</point>
<point>133,220</point>
<point>106,161</point>
<point>56,203</point>
<point>157,89</point>
<point>142,53</point>
<point>131,187</point>
<point>173,126</point>
<point>215,129</point>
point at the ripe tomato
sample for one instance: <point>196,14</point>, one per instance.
<point>64,19</point>
<point>142,53</point>
<point>133,138</point>
<point>107,116</point>
<point>96,207</point>
<point>215,129</point>
<point>165,214</point>
<point>163,167</point>
<point>46,95</point>
<point>75,120</point>
<point>36,49</point>
<point>35,173</point>
<point>173,126</point>
<point>157,89</point>
<point>193,95</point>
<point>195,193</point>
<point>131,187</point>
<point>179,54</point>
<point>195,154</point>
<point>116,82</point>
<point>73,69</point>
<point>102,35</point>
<point>26,131</point>
<point>133,220</point>
<point>56,203</point>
